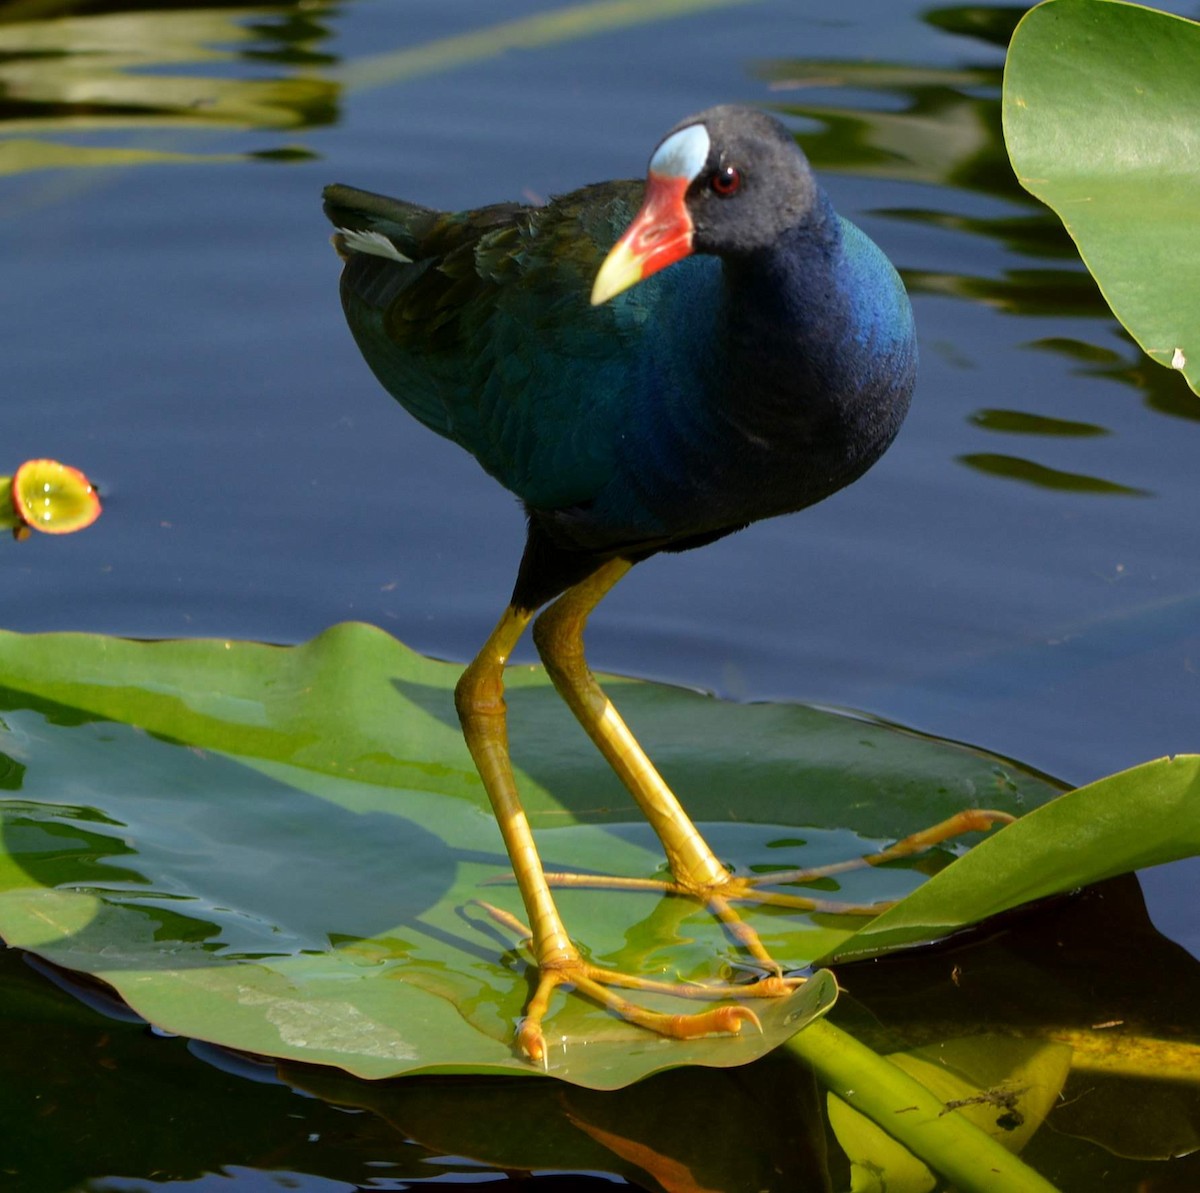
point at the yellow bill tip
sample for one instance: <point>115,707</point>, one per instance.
<point>621,269</point>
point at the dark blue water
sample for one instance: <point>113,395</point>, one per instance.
<point>174,329</point>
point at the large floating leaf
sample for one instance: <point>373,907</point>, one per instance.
<point>1100,103</point>
<point>278,849</point>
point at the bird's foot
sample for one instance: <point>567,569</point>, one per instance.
<point>719,895</point>
<point>600,985</point>
<point>970,820</point>
<point>749,889</point>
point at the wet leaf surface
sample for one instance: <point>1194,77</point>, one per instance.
<point>280,849</point>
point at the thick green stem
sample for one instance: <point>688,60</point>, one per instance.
<point>972,1160</point>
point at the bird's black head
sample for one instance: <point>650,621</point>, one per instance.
<point>729,181</point>
<point>754,183</point>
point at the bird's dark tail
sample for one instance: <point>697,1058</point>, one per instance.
<point>375,224</point>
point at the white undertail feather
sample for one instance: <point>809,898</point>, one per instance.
<point>365,241</point>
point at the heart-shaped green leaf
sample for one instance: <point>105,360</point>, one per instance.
<point>1100,103</point>
<point>280,848</point>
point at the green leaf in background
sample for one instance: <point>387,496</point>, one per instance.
<point>1140,817</point>
<point>1100,120</point>
<point>278,848</point>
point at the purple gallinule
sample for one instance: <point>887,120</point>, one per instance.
<point>633,408</point>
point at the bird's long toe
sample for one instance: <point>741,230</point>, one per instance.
<point>601,986</point>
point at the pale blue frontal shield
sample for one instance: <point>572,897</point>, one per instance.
<point>682,154</point>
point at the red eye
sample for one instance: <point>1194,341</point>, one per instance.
<point>726,181</point>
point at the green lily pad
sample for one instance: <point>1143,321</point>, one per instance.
<point>1100,102</point>
<point>279,849</point>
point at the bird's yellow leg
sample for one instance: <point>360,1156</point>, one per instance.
<point>479,698</point>
<point>696,870</point>
<point>558,633</point>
